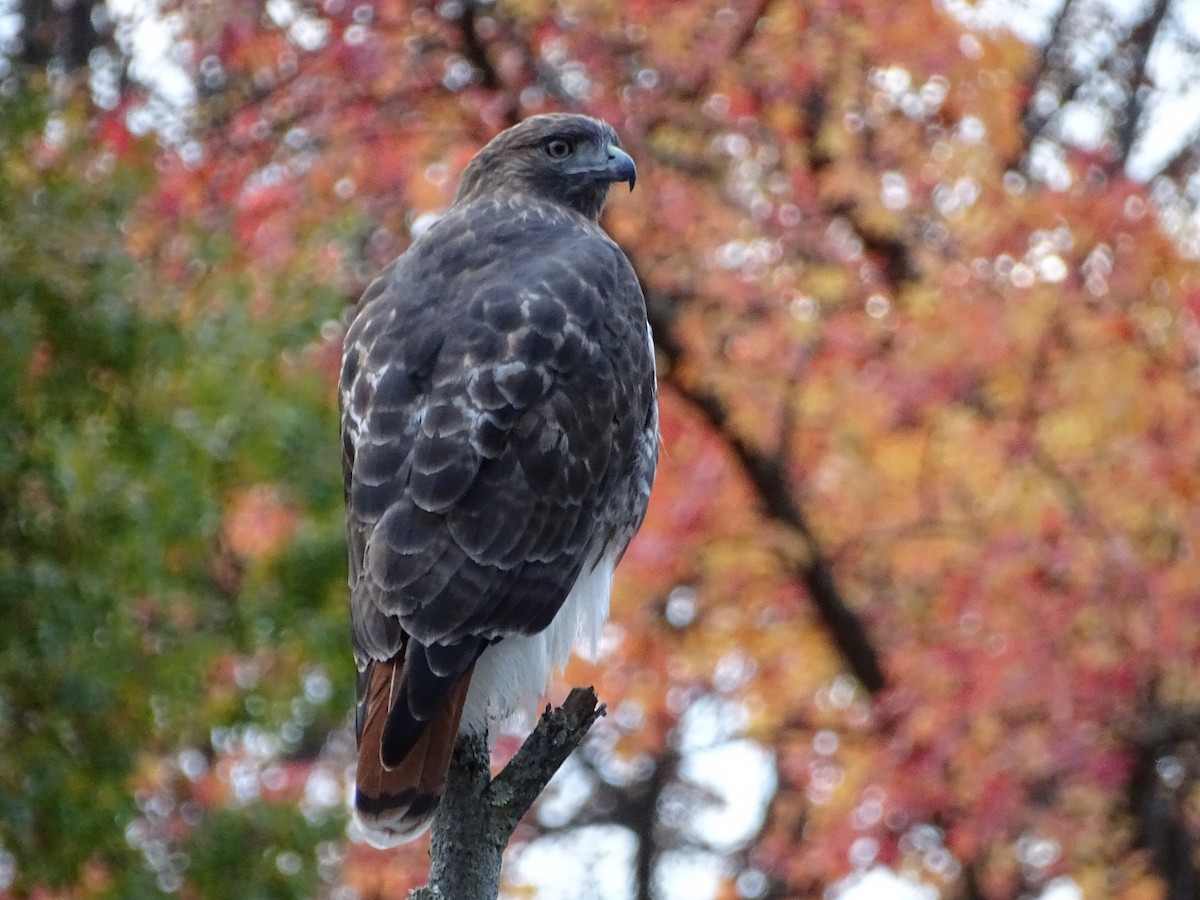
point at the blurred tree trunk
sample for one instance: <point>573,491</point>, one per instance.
<point>1166,751</point>
<point>66,31</point>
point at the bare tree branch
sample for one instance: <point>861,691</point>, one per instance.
<point>1032,120</point>
<point>768,475</point>
<point>478,813</point>
<point>1141,41</point>
<point>1165,747</point>
<point>529,771</point>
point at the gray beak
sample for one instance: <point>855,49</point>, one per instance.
<point>620,166</point>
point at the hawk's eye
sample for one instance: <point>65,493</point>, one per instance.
<point>558,149</point>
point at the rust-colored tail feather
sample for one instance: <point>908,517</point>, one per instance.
<point>394,805</point>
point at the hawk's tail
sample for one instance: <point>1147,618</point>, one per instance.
<point>396,804</point>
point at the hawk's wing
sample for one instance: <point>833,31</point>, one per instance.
<point>497,396</point>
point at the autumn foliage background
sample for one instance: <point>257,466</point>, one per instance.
<point>924,533</point>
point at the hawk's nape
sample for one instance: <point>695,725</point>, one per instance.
<point>500,436</point>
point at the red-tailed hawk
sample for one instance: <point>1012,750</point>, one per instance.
<point>500,435</point>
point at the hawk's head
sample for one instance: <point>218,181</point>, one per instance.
<point>564,158</point>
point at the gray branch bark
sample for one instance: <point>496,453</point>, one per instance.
<point>478,813</point>
<point>1141,41</point>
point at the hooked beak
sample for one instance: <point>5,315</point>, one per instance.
<point>620,166</point>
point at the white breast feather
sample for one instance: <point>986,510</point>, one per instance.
<point>512,675</point>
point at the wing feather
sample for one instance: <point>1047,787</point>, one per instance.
<point>488,427</point>
<point>488,455</point>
